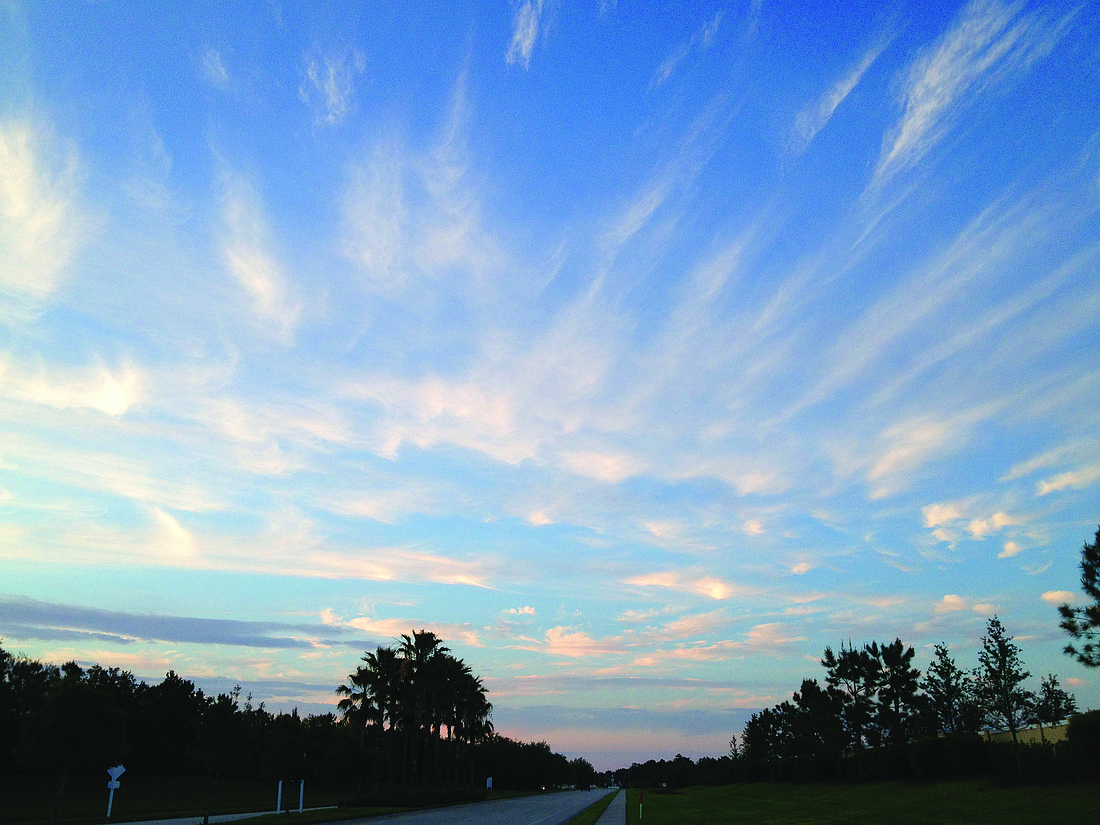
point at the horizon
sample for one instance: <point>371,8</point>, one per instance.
<point>637,353</point>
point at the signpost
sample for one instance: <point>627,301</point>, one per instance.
<point>113,785</point>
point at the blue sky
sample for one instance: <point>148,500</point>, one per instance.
<point>639,352</point>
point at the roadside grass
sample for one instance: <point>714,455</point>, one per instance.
<point>318,817</point>
<point>29,799</point>
<point>594,811</point>
<point>897,803</point>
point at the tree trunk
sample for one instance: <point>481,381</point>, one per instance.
<point>210,797</point>
<point>60,793</point>
<point>1016,753</point>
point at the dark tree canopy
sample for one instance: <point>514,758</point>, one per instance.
<point>874,700</point>
<point>1053,705</point>
<point>401,700</point>
<point>1083,623</point>
<point>853,674</point>
<point>952,695</point>
<point>897,708</point>
<point>1008,704</point>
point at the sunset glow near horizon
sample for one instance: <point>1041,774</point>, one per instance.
<point>638,352</point>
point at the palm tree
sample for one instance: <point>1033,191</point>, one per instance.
<point>358,710</point>
<point>454,674</point>
<point>420,654</point>
<point>473,718</point>
<point>403,697</point>
<point>356,703</point>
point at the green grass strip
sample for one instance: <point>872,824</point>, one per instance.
<point>896,803</point>
<point>593,812</point>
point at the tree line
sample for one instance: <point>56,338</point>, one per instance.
<point>873,696</point>
<point>411,717</point>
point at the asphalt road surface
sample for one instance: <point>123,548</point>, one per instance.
<point>542,809</point>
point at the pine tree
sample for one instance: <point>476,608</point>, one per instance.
<point>951,693</point>
<point>1083,623</point>
<point>1008,705</point>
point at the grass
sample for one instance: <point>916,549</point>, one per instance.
<point>594,811</point>
<point>322,816</point>
<point>897,803</point>
<point>29,799</point>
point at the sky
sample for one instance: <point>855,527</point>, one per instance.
<point>638,350</point>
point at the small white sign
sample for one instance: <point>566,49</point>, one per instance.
<point>489,784</point>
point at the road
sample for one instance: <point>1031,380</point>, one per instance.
<point>542,809</point>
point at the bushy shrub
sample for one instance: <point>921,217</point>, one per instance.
<point>1083,742</point>
<point>926,758</point>
<point>965,755</point>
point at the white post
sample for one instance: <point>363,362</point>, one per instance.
<point>114,773</point>
<point>301,795</point>
<point>279,801</point>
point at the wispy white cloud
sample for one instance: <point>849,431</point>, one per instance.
<point>1074,479</point>
<point>111,392</point>
<point>987,41</point>
<point>173,539</point>
<point>977,517</point>
<point>1057,597</point>
<point>979,528</point>
<point>525,33</point>
<point>213,68</point>
<point>698,624</point>
<point>375,216</point>
<point>574,643</point>
<point>658,201</point>
<point>42,222</point>
<point>115,473</point>
<point>699,41</point>
<point>247,252</point>
<point>328,85</point>
<point>701,585</point>
<point>954,603</point>
<point>603,466</point>
<point>412,216</point>
<point>813,118</point>
<point>1064,454</point>
<point>772,637</point>
<point>390,630</point>
<point>977,254</point>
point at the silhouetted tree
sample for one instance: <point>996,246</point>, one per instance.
<point>763,737</point>
<point>951,692</point>
<point>402,699</point>
<point>1083,623</point>
<point>581,773</point>
<point>1008,705</point>
<point>819,729</point>
<point>897,705</point>
<point>1053,704</point>
<point>854,675</point>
